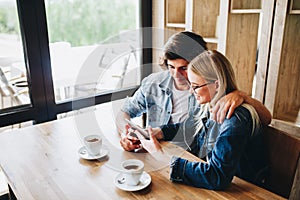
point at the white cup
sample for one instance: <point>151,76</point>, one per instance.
<point>133,170</point>
<point>93,144</point>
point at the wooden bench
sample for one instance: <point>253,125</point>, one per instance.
<point>283,151</point>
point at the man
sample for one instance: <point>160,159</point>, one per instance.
<point>165,96</point>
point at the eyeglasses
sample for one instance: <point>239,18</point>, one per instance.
<point>194,88</point>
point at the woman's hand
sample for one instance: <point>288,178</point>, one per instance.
<point>152,145</point>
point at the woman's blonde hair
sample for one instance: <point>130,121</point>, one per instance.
<point>214,66</point>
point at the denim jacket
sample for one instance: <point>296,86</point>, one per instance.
<point>232,150</point>
<point>154,97</point>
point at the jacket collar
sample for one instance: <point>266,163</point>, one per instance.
<point>206,113</point>
<point>166,84</point>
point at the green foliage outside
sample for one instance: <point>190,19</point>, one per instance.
<point>79,22</point>
<point>8,21</point>
<point>90,21</point>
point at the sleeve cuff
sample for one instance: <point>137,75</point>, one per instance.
<point>163,130</point>
<point>177,169</point>
<point>168,131</point>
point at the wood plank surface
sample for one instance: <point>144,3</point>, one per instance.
<point>42,162</point>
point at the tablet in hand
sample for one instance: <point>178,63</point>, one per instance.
<point>138,128</point>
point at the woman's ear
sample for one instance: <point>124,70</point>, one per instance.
<point>217,84</point>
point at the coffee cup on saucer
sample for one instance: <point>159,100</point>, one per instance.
<point>93,144</point>
<point>132,170</point>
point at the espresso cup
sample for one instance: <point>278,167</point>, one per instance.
<point>93,144</point>
<point>133,170</point>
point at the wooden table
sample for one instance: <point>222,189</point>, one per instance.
<point>42,162</point>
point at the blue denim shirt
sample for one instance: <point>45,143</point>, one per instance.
<point>234,151</point>
<point>154,97</point>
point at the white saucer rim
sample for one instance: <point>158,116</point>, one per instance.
<point>104,152</point>
<point>130,188</point>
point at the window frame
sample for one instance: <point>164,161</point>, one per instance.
<point>34,34</point>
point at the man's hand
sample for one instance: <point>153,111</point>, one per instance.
<point>226,105</point>
<point>128,142</point>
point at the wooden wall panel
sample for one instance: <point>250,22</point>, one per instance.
<point>287,103</point>
<point>241,47</point>
<point>158,32</point>
<point>282,89</point>
<point>205,24</point>
<point>212,46</point>
<point>245,4</point>
<point>275,54</point>
<point>175,11</point>
<point>295,5</point>
<point>174,30</point>
<point>264,49</point>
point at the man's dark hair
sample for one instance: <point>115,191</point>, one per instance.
<point>183,45</point>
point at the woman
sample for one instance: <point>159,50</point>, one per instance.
<point>231,148</point>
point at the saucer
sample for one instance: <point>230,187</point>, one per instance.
<point>83,153</point>
<point>144,182</point>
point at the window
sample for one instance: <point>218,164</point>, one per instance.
<point>72,59</point>
<point>94,46</point>
<point>13,82</point>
